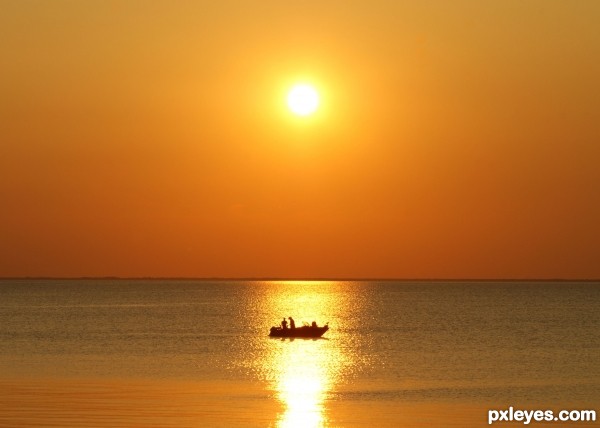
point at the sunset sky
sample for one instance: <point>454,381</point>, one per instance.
<point>454,139</point>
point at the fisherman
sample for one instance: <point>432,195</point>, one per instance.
<point>284,324</point>
<point>314,324</point>
<point>292,323</point>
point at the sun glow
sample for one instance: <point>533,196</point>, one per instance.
<point>303,99</point>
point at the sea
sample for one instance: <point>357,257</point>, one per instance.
<point>196,353</point>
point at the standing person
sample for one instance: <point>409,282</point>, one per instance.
<point>284,324</point>
<point>292,323</point>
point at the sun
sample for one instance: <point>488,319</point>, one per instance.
<point>303,99</point>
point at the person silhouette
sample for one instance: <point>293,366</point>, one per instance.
<point>284,324</point>
<point>292,323</point>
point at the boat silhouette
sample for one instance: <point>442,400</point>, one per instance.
<point>304,331</point>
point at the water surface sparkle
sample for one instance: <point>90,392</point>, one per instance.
<point>197,353</point>
<point>304,372</point>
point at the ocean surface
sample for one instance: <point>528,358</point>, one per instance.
<point>197,353</point>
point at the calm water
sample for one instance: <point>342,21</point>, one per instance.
<point>196,353</point>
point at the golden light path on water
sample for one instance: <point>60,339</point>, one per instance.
<point>303,387</point>
<point>303,372</point>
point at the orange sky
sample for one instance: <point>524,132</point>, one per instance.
<point>454,140</point>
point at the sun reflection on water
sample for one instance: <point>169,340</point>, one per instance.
<point>303,372</point>
<point>302,388</point>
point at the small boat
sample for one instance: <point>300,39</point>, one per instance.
<point>304,331</point>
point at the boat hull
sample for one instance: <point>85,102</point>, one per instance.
<point>304,331</point>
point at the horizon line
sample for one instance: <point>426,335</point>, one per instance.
<point>267,278</point>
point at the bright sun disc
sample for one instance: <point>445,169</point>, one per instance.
<point>303,100</point>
